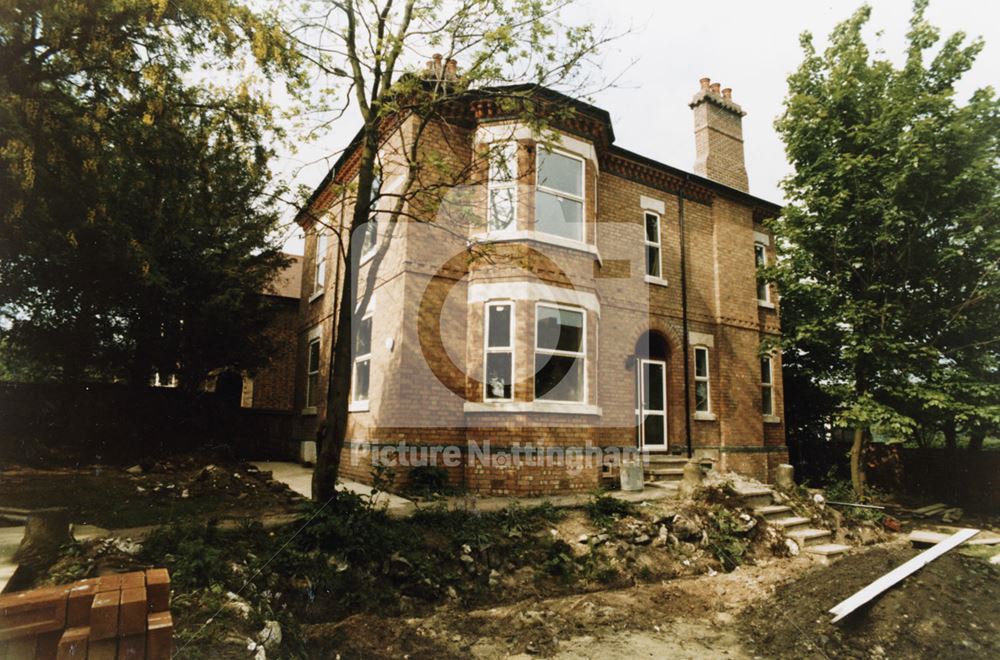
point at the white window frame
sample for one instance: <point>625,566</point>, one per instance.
<point>492,185</point>
<point>768,385</point>
<point>487,349</point>
<point>314,336</point>
<point>703,379</point>
<point>559,193</point>
<point>546,351</point>
<point>372,224</point>
<point>761,249</point>
<point>658,244</point>
<point>357,404</point>
<point>319,267</point>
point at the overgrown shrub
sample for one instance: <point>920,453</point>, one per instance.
<point>604,510</point>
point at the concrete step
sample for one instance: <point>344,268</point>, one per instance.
<point>772,511</point>
<point>668,473</point>
<point>807,537</point>
<point>789,522</point>
<point>668,458</point>
<point>826,552</point>
<point>755,497</point>
<point>664,485</point>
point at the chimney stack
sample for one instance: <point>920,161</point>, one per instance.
<point>718,136</point>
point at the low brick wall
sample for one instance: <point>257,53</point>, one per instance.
<point>124,615</point>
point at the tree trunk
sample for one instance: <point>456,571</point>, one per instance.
<point>976,440</point>
<point>857,463</point>
<point>950,435</point>
<point>327,468</point>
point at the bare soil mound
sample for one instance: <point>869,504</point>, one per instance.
<point>950,608</point>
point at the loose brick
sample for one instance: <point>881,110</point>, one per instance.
<point>132,612</point>
<point>81,597</point>
<point>73,643</point>
<point>158,589</point>
<point>104,615</point>
<point>32,612</point>
<point>159,636</point>
<point>103,649</point>
<point>132,647</point>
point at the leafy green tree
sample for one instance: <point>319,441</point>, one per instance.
<point>136,209</point>
<point>890,279</point>
<point>372,53</point>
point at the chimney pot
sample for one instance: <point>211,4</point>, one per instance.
<point>727,93</point>
<point>705,82</point>
<point>451,70</point>
<point>715,88</point>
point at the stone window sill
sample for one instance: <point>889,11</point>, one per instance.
<point>772,419</point>
<point>359,406</point>
<point>704,416</point>
<point>658,281</point>
<point>766,304</point>
<point>551,407</point>
<point>309,410</point>
<point>316,294</point>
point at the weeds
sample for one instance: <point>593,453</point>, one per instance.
<point>604,510</point>
<point>726,538</point>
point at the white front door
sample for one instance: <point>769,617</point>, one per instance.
<point>651,414</point>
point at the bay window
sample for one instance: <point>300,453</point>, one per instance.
<point>498,384</point>
<point>559,194</point>
<point>560,353</point>
<point>501,211</point>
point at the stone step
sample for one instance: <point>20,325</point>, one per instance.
<point>772,511</point>
<point>788,522</point>
<point>664,485</point>
<point>755,497</point>
<point>676,473</point>
<point>668,458</point>
<point>826,552</point>
<point>808,536</point>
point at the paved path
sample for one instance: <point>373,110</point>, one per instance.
<point>299,479</point>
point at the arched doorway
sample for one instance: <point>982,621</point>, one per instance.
<point>651,350</point>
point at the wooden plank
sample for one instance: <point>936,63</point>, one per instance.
<point>927,537</point>
<point>927,509</point>
<point>848,605</point>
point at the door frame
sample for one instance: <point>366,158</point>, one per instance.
<point>640,412</point>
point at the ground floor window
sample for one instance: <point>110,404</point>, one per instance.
<point>312,373</point>
<point>361,376</point>
<point>560,353</point>
<point>499,360</point>
<point>766,386</point>
<point>702,394</point>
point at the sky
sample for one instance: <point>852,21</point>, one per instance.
<point>749,46</point>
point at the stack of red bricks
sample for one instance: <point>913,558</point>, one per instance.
<point>113,617</point>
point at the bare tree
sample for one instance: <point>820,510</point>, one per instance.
<point>511,54</point>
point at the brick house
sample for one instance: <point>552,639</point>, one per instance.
<point>568,295</point>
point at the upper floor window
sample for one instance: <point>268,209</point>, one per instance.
<point>702,394</point>
<point>370,241</point>
<point>319,273</point>
<point>560,353</point>
<point>499,359</point>
<point>361,375</point>
<point>766,386</point>
<point>501,212</point>
<point>559,194</point>
<point>760,258</point>
<point>652,244</point>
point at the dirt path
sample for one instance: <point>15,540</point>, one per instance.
<point>683,618</point>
